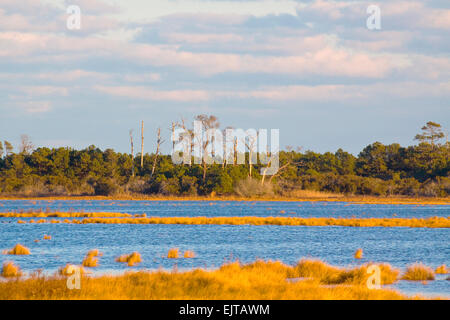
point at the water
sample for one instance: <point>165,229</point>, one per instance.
<point>216,244</point>
<point>232,208</point>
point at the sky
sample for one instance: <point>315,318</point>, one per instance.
<point>312,69</point>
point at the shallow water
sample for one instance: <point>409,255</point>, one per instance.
<point>216,244</point>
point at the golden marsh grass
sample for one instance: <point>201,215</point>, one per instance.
<point>64,271</point>
<point>18,250</point>
<point>91,259</point>
<point>173,253</point>
<point>301,195</point>
<point>358,254</point>
<point>432,222</point>
<point>441,269</point>
<point>64,215</point>
<point>131,259</point>
<point>188,254</point>
<point>10,270</point>
<point>233,281</point>
<point>418,272</point>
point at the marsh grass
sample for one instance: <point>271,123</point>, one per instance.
<point>9,270</point>
<point>131,259</point>
<point>91,259</point>
<point>326,274</point>
<point>173,253</point>
<point>49,214</point>
<point>189,254</point>
<point>433,222</point>
<point>64,271</point>
<point>18,250</point>
<point>358,254</point>
<point>441,269</point>
<point>233,281</point>
<point>418,272</point>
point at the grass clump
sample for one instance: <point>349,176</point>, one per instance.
<point>18,250</point>
<point>189,254</point>
<point>131,259</point>
<point>91,259</point>
<point>418,272</point>
<point>442,269</point>
<point>358,254</point>
<point>329,275</point>
<point>64,271</point>
<point>10,270</point>
<point>173,253</point>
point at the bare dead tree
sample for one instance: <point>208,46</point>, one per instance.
<point>159,142</point>
<point>225,145</point>
<point>25,144</point>
<point>172,128</point>
<point>250,144</point>
<point>142,144</point>
<point>208,122</point>
<point>132,153</point>
<point>190,133</point>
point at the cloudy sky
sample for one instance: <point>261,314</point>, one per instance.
<point>310,68</point>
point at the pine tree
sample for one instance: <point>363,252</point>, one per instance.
<point>432,131</point>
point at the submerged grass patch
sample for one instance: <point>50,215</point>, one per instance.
<point>259,280</point>
<point>418,272</point>
<point>433,222</point>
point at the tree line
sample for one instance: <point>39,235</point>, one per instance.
<point>381,170</point>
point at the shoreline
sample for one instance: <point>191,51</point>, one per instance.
<point>343,198</point>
